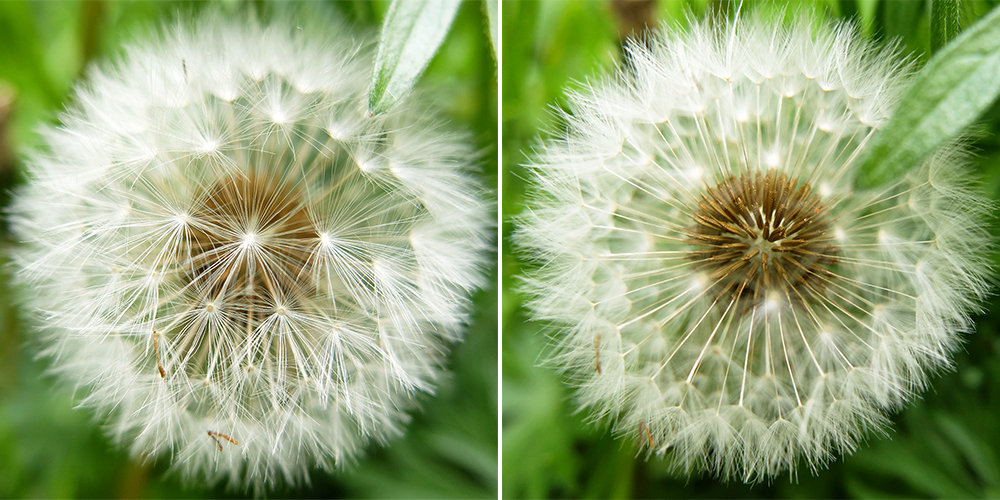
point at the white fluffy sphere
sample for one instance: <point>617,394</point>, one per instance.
<point>237,265</point>
<point>718,288</point>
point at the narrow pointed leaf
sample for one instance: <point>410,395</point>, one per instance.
<point>958,84</point>
<point>492,8</point>
<point>411,35</point>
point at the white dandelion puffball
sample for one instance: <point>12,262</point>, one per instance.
<point>719,290</point>
<point>237,265</point>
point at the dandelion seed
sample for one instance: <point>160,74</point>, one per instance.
<point>198,191</point>
<point>156,349</point>
<point>698,228</point>
<point>216,435</point>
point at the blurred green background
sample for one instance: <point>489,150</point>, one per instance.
<point>50,450</point>
<point>945,444</point>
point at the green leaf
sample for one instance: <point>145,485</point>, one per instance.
<point>958,84</point>
<point>411,35</point>
<point>492,8</point>
<point>946,17</point>
<point>977,453</point>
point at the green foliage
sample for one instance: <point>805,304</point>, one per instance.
<point>412,32</point>
<point>947,95</point>
<point>942,445</point>
<point>48,449</point>
<point>492,10</point>
<point>945,22</point>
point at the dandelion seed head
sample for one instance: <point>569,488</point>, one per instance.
<point>720,291</point>
<point>215,271</point>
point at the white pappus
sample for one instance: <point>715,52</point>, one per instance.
<point>719,290</point>
<point>236,265</point>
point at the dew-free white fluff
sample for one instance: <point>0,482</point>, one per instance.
<point>719,290</point>
<point>233,262</point>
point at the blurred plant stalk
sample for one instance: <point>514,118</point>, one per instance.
<point>634,18</point>
<point>7,98</point>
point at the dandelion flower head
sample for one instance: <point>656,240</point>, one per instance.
<point>236,264</point>
<point>719,289</point>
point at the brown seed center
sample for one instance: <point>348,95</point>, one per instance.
<point>762,233</point>
<point>250,245</point>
